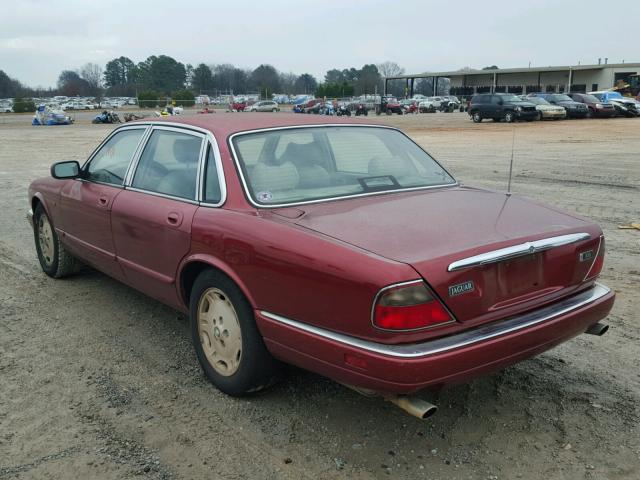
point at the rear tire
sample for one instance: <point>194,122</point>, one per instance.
<point>225,337</point>
<point>54,258</point>
<point>476,117</point>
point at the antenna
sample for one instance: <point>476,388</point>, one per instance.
<point>513,144</point>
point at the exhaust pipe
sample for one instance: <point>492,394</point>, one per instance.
<point>414,406</point>
<point>598,329</point>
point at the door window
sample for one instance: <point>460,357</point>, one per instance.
<point>169,164</point>
<point>110,164</point>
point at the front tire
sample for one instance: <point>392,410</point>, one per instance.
<point>509,117</point>
<point>226,339</point>
<point>476,117</point>
<point>54,258</point>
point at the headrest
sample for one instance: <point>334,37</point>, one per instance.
<point>186,150</point>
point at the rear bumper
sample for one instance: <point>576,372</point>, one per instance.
<point>407,368</point>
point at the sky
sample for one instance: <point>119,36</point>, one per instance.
<point>40,38</point>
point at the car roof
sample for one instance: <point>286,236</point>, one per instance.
<point>222,125</point>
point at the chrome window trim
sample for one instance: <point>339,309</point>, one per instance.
<point>458,340</point>
<point>163,195</point>
<point>402,284</point>
<point>107,138</point>
<point>209,139</point>
<point>526,248</point>
<point>245,186</point>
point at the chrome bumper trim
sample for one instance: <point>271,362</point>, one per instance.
<point>526,248</point>
<point>462,339</point>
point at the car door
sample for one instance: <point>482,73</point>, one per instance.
<point>495,107</point>
<point>86,203</point>
<point>151,219</point>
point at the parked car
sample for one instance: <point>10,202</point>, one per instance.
<point>238,106</point>
<point>427,106</point>
<point>597,108</point>
<point>625,106</point>
<point>545,109</point>
<point>574,109</point>
<point>6,108</point>
<point>263,106</point>
<point>501,106</point>
<point>279,236</point>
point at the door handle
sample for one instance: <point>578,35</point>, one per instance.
<point>103,201</point>
<point>174,219</point>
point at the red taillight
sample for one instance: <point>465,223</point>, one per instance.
<point>598,262</point>
<point>408,307</point>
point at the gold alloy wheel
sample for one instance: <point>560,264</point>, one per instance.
<point>219,331</point>
<point>45,240</point>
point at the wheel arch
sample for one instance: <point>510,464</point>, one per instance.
<point>193,265</point>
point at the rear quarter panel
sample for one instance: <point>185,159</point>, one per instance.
<point>290,271</point>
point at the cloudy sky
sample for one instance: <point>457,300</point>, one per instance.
<point>39,38</point>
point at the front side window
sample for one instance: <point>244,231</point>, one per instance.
<point>169,164</point>
<point>306,164</point>
<point>110,163</point>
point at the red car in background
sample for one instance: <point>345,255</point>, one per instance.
<point>237,106</point>
<point>340,247</point>
<point>596,107</point>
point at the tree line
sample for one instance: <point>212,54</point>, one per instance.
<point>163,75</point>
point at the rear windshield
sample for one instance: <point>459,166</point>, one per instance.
<point>287,166</point>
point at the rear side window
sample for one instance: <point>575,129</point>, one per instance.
<point>110,164</point>
<point>212,193</point>
<point>479,99</point>
<point>169,164</point>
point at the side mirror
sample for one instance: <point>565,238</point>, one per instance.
<point>64,170</point>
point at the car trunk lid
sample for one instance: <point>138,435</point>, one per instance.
<point>432,230</point>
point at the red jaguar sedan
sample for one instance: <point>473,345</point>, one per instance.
<point>334,245</point>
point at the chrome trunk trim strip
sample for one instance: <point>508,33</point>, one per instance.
<point>458,340</point>
<point>527,248</point>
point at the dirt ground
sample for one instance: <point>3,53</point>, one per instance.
<point>99,381</point>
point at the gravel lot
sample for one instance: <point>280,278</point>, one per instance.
<point>99,381</point>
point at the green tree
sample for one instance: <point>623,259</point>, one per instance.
<point>149,99</point>
<point>10,87</point>
<point>120,76</point>
<point>265,78</point>
<point>22,105</point>
<point>202,79</point>
<point>162,73</point>
<point>368,79</point>
<point>184,98</point>
<point>334,90</point>
<point>305,83</point>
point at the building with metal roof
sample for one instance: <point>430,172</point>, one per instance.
<point>568,78</point>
